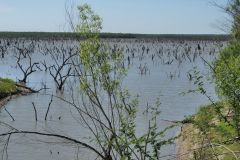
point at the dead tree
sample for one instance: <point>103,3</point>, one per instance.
<point>4,47</point>
<point>28,68</point>
<point>61,70</point>
<point>25,48</point>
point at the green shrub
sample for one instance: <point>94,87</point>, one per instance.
<point>227,71</point>
<point>227,78</point>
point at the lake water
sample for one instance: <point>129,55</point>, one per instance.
<point>156,69</point>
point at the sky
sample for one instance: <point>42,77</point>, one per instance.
<point>121,16</point>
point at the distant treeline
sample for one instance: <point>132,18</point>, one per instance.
<point>69,35</point>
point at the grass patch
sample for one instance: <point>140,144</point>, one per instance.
<point>7,87</point>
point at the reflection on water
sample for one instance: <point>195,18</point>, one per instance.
<point>156,69</point>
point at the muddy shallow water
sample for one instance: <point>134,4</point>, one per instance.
<point>156,69</point>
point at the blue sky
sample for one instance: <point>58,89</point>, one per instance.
<point>126,16</point>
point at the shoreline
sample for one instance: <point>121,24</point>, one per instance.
<point>209,142</point>
<point>22,91</point>
<point>77,36</point>
<point>182,148</point>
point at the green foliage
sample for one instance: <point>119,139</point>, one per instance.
<point>227,71</point>
<point>225,131</point>
<point>214,137</point>
<point>207,121</point>
<point>204,118</point>
<point>109,111</point>
<point>233,10</point>
<point>7,86</point>
<point>227,77</point>
<point>90,23</point>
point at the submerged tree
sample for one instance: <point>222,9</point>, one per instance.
<point>26,68</point>
<point>61,69</point>
<point>4,45</point>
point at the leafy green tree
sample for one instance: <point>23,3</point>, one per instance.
<point>108,110</point>
<point>227,78</point>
